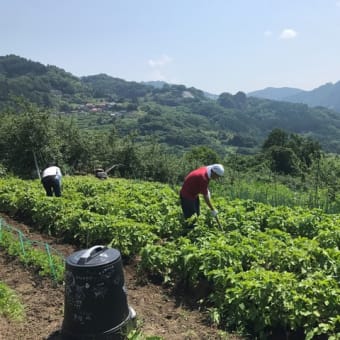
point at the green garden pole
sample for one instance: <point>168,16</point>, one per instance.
<point>50,261</point>
<point>22,243</point>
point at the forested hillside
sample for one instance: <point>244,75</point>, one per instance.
<point>176,116</point>
<point>327,95</point>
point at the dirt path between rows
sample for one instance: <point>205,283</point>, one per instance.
<point>158,312</point>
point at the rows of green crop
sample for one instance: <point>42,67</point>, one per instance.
<point>93,212</point>
<point>42,260</point>
<point>266,269</point>
<point>258,280</point>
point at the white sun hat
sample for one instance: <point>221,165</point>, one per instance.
<point>218,169</point>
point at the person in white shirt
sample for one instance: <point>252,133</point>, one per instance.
<point>51,180</point>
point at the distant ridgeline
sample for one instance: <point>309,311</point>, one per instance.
<point>327,95</point>
<point>175,115</point>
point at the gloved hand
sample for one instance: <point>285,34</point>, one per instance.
<point>214,213</point>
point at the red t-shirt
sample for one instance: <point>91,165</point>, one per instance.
<point>195,183</point>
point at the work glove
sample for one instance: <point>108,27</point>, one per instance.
<point>214,213</point>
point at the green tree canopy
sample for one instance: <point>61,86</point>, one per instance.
<point>290,153</point>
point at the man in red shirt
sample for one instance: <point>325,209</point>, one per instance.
<point>195,183</point>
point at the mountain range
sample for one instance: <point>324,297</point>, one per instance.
<point>327,95</point>
<point>177,116</point>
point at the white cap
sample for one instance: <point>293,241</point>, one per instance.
<point>218,169</point>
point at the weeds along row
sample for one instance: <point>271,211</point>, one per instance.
<point>10,305</point>
<point>45,260</point>
<point>38,256</point>
<point>265,270</point>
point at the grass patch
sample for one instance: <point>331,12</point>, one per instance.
<point>10,305</point>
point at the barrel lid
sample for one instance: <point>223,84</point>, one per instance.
<point>93,257</point>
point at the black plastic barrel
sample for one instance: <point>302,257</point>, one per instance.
<point>96,304</point>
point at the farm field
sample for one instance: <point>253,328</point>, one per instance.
<point>266,272</point>
<point>159,313</point>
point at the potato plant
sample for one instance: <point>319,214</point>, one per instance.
<point>265,270</point>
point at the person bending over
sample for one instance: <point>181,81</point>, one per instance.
<point>195,183</point>
<point>51,180</point>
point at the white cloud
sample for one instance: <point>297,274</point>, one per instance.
<point>268,33</point>
<point>160,62</point>
<point>337,3</point>
<point>288,33</point>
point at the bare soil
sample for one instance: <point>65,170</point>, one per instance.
<point>159,312</point>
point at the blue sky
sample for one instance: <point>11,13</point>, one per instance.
<point>214,45</point>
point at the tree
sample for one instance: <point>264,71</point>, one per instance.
<point>284,160</point>
<point>27,135</point>
<point>73,145</point>
<point>240,100</point>
<point>277,137</point>
<point>226,100</point>
<point>292,153</point>
<point>201,155</point>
